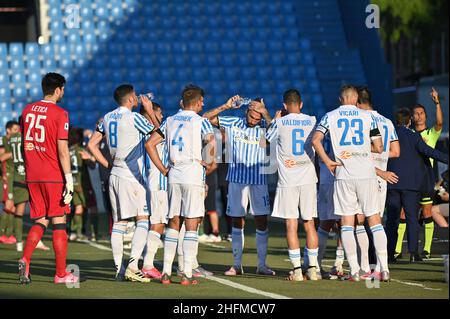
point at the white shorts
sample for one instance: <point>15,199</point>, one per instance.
<point>382,193</point>
<point>128,198</point>
<point>187,201</point>
<point>240,195</point>
<point>325,203</point>
<point>356,196</point>
<point>289,200</point>
<point>159,207</point>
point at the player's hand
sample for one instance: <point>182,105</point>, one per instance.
<point>206,190</point>
<point>147,104</point>
<point>68,189</point>
<point>434,95</point>
<point>231,101</point>
<point>278,114</point>
<point>389,177</point>
<point>85,155</point>
<point>259,107</point>
<point>166,171</point>
<point>331,165</point>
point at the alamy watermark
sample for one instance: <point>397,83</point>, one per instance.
<point>373,19</point>
<point>72,16</point>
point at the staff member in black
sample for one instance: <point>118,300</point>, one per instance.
<point>411,168</point>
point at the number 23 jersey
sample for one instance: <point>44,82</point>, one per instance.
<point>43,124</point>
<point>351,131</point>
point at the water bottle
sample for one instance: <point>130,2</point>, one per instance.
<point>149,95</point>
<point>242,101</point>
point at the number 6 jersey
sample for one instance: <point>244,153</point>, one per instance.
<point>43,124</point>
<point>351,131</point>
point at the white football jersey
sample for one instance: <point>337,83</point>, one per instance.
<point>389,135</point>
<point>184,134</point>
<point>156,180</point>
<point>325,175</point>
<point>295,155</point>
<point>126,134</point>
<point>351,131</point>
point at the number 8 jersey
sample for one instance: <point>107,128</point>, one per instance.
<point>351,131</point>
<point>43,124</point>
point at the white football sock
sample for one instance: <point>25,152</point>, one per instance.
<point>380,243</point>
<point>312,257</point>
<point>237,244</point>
<point>180,247</point>
<point>363,243</point>
<point>323,238</point>
<point>152,247</point>
<point>138,243</point>
<point>349,243</point>
<point>262,238</point>
<point>189,247</point>
<point>295,257</point>
<point>170,249</point>
<point>118,231</point>
<point>340,257</point>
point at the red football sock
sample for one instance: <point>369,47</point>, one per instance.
<point>60,248</point>
<point>34,236</point>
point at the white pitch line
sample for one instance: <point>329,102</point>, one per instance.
<point>219,280</point>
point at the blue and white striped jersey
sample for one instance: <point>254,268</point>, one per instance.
<point>389,135</point>
<point>126,134</point>
<point>156,180</point>
<point>245,155</point>
<point>184,134</point>
<point>292,134</point>
<point>351,132</point>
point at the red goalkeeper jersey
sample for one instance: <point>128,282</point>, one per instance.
<point>43,124</point>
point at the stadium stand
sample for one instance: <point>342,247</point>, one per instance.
<point>252,48</point>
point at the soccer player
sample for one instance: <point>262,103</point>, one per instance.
<point>354,135</point>
<point>430,135</point>
<point>297,179</point>
<point>328,219</point>
<point>45,128</point>
<point>246,177</point>
<point>184,134</point>
<point>391,149</point>
<point>126,132</point>
<point>7,237</point>
<point>157,198</point>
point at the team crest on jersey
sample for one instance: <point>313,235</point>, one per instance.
<point>29,146</point>
<point>66,126</point>
<point>21,169</point>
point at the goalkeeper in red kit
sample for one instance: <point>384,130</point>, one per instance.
<point>45,128</point>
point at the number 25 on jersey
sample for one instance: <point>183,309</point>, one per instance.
<point>35,123</point>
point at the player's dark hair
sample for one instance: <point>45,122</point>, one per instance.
<point>292,96</point>
<point>10,124</point>
<point>364,95</point>
<point>75,136</point>
<point>51,81</point>
<point>121,92</point>
<point>191,94</point>
<point>419,106</point>
<point>403,116</point>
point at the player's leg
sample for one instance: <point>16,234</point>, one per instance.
<point>428,223</point>
<point>138,242</point>
<point>338,269</point>
<point>293,249</point>
<point>18,225</point>
<point>363,244</point>
<point>190,248</point>
<point>238,198</point>
<point>77,222</point>
<point>411,204</point>
<point>10,210</point>
<point>60,247</point>
<point>153,240</point>
<point>214,237</point>
<point>323,233</point>
<point>438,217</point>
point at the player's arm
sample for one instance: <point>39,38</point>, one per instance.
<point>428,151</point>
<point>212,114</point>
<point>150,146</point>
<point>148,107</point>
<point>318,147</point>
<point>5,156</point>
<point>394,149</point>
<point>64,160</point>
<point>94,148</point>
<point>210,153</point>
<point>388,176</point>
<point>439,114</point>
<point>375,137</point>
<point>260,107</point>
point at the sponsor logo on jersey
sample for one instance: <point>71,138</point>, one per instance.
<point>29,146</point>
<point>348,154</point>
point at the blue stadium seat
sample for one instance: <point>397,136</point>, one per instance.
<point>229,59</point>
<point>56,26</point>
<point>16,49</point>
<point>3,65</point>
<point>196,60</point>
<point>277,58</point>
<point>18,79</point>
<point>248,73</point>
<point>260,59</point>
<point>5,106</point>
<point>74,36</point>
<point>4,79</point>
<point>5,93</point>
<point>167,74</point>
<point>212,47</point>
<point>31,49</point>
<point>19,106</point>
<point>48,64</point>
<point>199,74</point>
<point>227,46</point>
<point>213,60</point>
<point>264,72</point>
<point>16,63</point>
<point>232,74</point>
<point>55,13</point>
<point>33,63</point>
<point>280,73</point>
<point>86,12</point>
<point>275,46</point>
<point>34,77</point>
<point>19,92</point>
<point>35,92</point>
<point>47,50</point>
<point>3,51</point>
<point>65,62</point>
<point>267,87</point>
<point>115,61</point>
<point>101,12</point>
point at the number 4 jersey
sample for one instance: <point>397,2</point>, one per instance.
<point>43,124</point>
<point>351,131</point>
